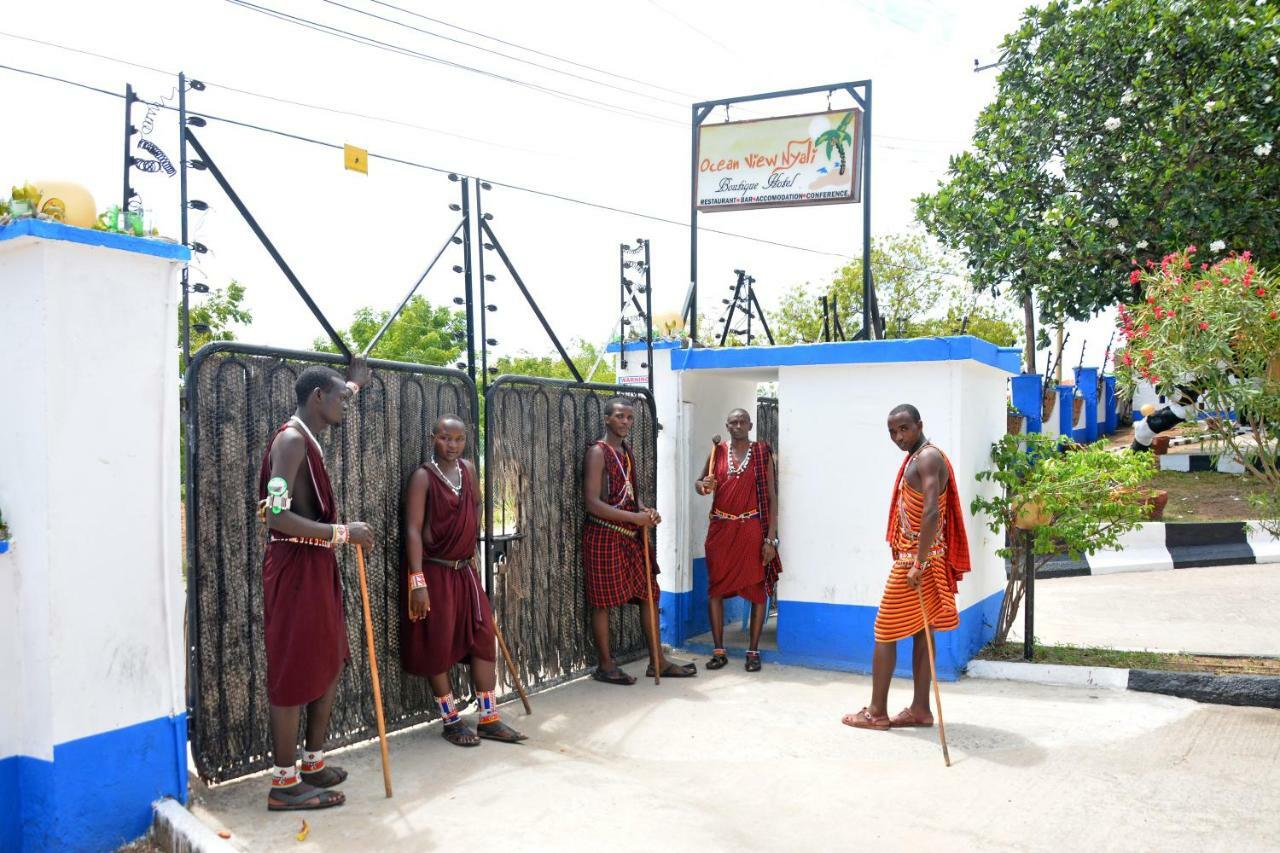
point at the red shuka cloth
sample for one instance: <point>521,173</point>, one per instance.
<point>734,566</point>
<point>303,626</point>
<point>956,541</point>
<point>613,562</point>
<point>459,626</point>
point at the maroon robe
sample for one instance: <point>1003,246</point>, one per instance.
<point>303,625</point>
<point>734,564</point>
<point>459,626</point>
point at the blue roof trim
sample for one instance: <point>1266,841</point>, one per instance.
<point>851,352</point>
<point>108,239</point>
<point>633,346</point>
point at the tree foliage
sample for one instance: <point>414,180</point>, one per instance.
<point>1120,129</point>
<point>919,293</point>
<point>1088,496</point>
<point>220,312</point>
<point>422,334</point>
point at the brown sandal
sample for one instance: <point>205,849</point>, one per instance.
<point>905,719</point>
<point>864,720</point>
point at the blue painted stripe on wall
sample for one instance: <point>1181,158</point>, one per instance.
<point>96,794</point>
<point>89,237</point>
<point>850,352</point>
<point>841,636</point>
<point>638,346</point>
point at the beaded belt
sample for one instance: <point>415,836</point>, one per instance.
<point>724,516</point>
<point>453,564</point>
<point>301,540</point>
<point>616,528</point>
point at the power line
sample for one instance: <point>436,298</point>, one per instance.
<point>505,55</point>
<point>531,50</point>
<point>368,41</point>
<point>279,99</point>
<point>442,170</point>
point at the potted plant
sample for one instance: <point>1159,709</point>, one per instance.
<point>1013,420</point>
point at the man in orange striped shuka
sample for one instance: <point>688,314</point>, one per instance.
<point>930,553</point>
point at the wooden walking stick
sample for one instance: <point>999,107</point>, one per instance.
<point>933,675</point>
<point>655,644</point>
<point>373,669</point>
<point>715,442</point>
<point>506,654</point>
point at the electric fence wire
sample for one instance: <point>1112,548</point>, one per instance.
<point>497,183</point>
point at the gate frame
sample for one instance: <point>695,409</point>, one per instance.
<point>191,457</point>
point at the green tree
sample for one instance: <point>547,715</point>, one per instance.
<point>215,316</point>
<point>918,291</point>
<point>1120,129</point>
<point>552,366</point>
<point>422,334</point>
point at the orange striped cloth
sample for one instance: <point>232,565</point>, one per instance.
<point>899,615</point>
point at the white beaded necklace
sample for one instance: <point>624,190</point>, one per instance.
<point>736,469</point>
<point>457,490</point>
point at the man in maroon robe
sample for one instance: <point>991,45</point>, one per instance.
<point>303,626</point>
<point>612,551</point>
<point>449,617</point>
<point>742,538</point>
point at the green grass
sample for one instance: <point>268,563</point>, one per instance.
<point>1122,659</point>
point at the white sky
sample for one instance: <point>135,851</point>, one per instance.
<point>357,240</point>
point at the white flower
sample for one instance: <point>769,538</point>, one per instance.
<point>1275,61</point>
<point>1055,255</point>
<point>1217,246</point>
<point>1209,106</point>
<point>1146,57</point>
<point>1231,22</point>
<point>1127,97</point>
<point>1268,99</point>
<point>1142,244</point>
<point>1112,123</point>
<point>1121,248</point>
<point>1243,119</point>
<point>1113,223</point>
<point>1062,116</point>
<point>1262,150</point>
<point>1124,156</point>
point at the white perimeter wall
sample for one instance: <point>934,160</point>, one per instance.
<point>91,604</point>
<point>838,473</point>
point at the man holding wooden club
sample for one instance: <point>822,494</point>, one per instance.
<point>450,620</point>
<point>742,538</point>
<point>930,554</point>
<point>615,546</point>
<point>303,626</point>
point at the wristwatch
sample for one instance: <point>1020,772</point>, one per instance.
<point>775,542</point>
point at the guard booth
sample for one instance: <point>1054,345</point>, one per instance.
<point>836,468</point>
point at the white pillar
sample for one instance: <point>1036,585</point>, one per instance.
<point>92,714</point>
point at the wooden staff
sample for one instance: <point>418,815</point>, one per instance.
<point>506,653</point>
<point>715,442</point>
<point>373,669</point>
<point>655,644</point>
<point>933,675</point>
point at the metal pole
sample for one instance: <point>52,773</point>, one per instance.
<point>622,306</point>
<point>764,322</point>
<point>338,342</point>
<point>182,195</point>
<point>693,229</point>
<point>871,333</point>
<point>484,305</point>
<point>751,298</point>
<point>129,130</point>
<point>1029,598</point>
<point>733,303</point>
<point>648,314</point>
<point>826,326</point>
<point>466,279</point>
<point>391,318</point>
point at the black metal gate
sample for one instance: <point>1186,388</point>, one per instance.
<point>767,421</point>
<point>536,436</point>
<point>237,395</point>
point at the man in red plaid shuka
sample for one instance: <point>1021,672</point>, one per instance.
<point>612,551</point>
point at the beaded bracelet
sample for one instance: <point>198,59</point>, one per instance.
<point>341,534</point>
<point>355,388</point>
<point>417,581</point>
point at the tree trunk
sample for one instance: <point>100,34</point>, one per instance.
<point>1029,312</point>
<point>1057,365</point>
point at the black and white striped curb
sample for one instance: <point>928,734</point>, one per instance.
<point>1175,545</point>
<point>1260,691</point>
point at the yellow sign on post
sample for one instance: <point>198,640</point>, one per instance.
<point>355,159</point>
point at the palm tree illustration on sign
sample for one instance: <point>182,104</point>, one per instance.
<point>837,137</point>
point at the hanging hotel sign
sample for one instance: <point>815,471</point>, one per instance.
<point>780,162</point>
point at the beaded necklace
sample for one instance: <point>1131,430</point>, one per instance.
<point>624,470</point>
<point>736,469</point>
<point>297,421</point>
<point>457,490</point>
